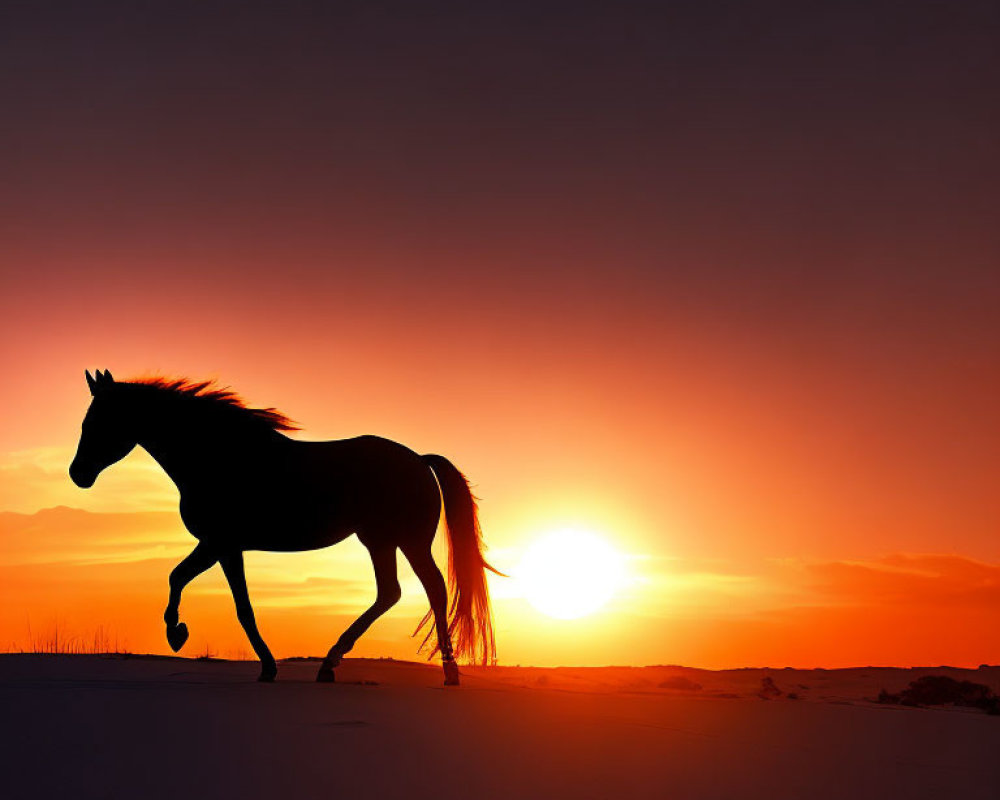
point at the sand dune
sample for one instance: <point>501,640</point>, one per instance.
<point>151,727</point>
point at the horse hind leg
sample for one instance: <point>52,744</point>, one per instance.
<point>427,571</point>
<point>387,595</point>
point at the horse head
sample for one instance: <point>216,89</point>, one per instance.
<point>108,433</point>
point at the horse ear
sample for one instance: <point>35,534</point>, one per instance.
<point>101,380</point>
<point>90,380</point>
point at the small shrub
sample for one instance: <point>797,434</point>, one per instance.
<point>768,689</point>
<point>887,699</point>
<point>940,690</point>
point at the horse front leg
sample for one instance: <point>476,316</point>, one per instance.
<point>199,560</point>
<point>232,565</point>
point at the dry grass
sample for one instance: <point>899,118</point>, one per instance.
<point>58,640</point>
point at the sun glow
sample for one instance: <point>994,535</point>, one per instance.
<point>570,573</point>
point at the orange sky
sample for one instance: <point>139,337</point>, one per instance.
<point>724,295</point>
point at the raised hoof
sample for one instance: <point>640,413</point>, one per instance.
<point>267,674</point>
<point>450,673</point>
<point>325,675</point>
<point>177,635</point>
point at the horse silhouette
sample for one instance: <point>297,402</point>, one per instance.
<point>244,485</point>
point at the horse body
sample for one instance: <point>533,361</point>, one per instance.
<point>295,495</point>
<point>246,486</point>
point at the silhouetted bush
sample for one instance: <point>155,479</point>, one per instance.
<point>887,699</point>
<point>939,690</point>
<point>768,689</point>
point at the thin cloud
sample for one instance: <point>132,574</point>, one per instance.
<point>909,579</point>
<point>72,536</point>
<point>31,480</point>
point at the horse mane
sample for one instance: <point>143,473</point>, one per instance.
<point>215,397</point>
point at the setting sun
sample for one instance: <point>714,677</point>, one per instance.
<point>570,573</point>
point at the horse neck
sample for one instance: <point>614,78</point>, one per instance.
<point>186,448</point>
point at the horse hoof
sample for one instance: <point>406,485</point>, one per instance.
<point>325,675</point>
<point>450,673</point>
<point>177,635</point>
<point>267,675</point>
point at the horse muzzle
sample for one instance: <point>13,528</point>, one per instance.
<point>81,476</point>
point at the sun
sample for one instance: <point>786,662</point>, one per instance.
<point>570,573</point>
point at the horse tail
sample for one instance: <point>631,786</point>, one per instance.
<point>470,617</point>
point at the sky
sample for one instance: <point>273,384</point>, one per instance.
<point>715,281</point>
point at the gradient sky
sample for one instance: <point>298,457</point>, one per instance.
<point>718,281</point>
